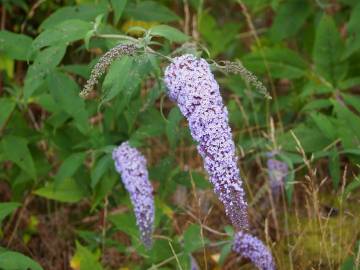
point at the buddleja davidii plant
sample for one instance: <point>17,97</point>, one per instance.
<point>193,87</point>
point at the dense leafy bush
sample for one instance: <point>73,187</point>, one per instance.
<point>62,202</point>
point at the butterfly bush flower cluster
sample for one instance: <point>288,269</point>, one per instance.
<point>253,249</point>
<point>131,164</point>
<point>193,87</point>
<point>277,171</point>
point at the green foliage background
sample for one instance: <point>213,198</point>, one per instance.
<point>55,149</point>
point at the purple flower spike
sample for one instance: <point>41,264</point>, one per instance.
<point>278,171</point>
<point>131,164</point>
<point>252,248</point>
<point>193,87</point>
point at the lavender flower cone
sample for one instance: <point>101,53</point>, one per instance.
<point>252,248</point>
<point>193,87</point>
<point>278,171</point>
<point>132,166</point>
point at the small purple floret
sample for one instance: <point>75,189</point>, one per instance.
<point>193,87</point>
<point>131,164</point>
<point>278,171</point>
<point>253,249</point>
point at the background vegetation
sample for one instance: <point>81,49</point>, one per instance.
<point>63,206</point>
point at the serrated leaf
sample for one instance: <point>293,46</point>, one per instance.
<point>85,12</point>
<point>328,49</point>
<point>168,32</point>
<point>67,191</point>
<point>44,64</point>
<point>15,46</point>
<point>7,105</point>
<point>11,260</point>
<point>150,11</point>
<point>63,33</point>
<point>16,150</point>
<point>6,208</point>
<point>65,93</point>
<point>118,7</point>
<point>283,27</point>
<point>68,168</point>
<point>282,62</point>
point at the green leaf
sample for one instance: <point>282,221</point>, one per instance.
<point>122,77</point>
<point>282,62</point>
<point>352,100</point>
<point>150,11</point>
<point>85,12</point>
<point>125,223</point>
<point>87,260</point>
<point>325,124</point>
<point>11,260</point>
<point>192,239</point>
<point>7,105</point>
<point>100,168</point>
<point>168,32</point>
<point>328,49</point>
<point>6,208</point>
<point>173,126</point>
<point>68,168</point>
<point>44,64</point>
<point>283,27</point>
<point>16,150</point>
<point>334,168</point>
<point>353,36</point>
<point>355,184</point>
<point>15,46</point>
<point>63,33</point>
<point>118,7</point>
<point>348,126</point>
<point>65,93</point>
<point>67,191</point>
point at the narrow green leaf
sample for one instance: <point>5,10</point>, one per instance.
<point>68,168</point>
<point>150,11</point>
<point>172,126</point>
<point>67,191</point>
<point>85,12</point>
<point>6,208</point>
<point>283,27</point>
<point>353,28</point>
<point>15,46</point>
<point>328,49</point>
<point>7,105</point>
<point>168,32</point>
<point>16,150</point>
<point>100,168</point>
<point>11,260</point>
<point>334,168</point>
<point>65,93</point>
<point>118,7</point>
<point>63,33</point>
<point>282,62</point>
<point>44,64</point>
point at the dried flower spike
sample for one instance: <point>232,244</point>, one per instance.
<point>238,68</point>
<point>193,87</point>
<point>253,249</point>
<point>131,164</point>
<point>104,63</point>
